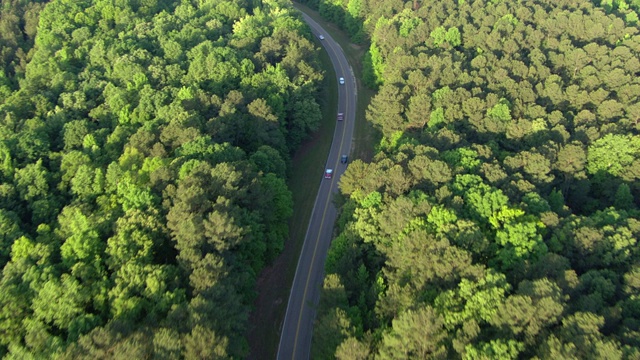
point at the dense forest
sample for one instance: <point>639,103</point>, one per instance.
<point>499,217</point>
<point>18,27</point>
<point>144,147</point>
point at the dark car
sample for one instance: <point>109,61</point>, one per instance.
<point>344,159</point>
<point>340,116</point>
<point>328,173</point>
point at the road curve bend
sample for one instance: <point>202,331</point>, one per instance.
<point>297,329</point>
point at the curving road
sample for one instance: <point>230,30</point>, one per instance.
<point>297,329</point>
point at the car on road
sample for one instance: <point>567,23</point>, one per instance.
<point>340,116</point>
<point>344,159</point>
<point>341,80</point>
<point>328,173</point>
<point>321,37</point>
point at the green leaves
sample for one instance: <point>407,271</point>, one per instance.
<point>616,155</point>
<point>478,300</point>
<point>408,24</point>
<point>580,338</point>
<point>518,235</point>
<point>82,242</point>
<point>495,349</point>
<point>32,181</point>
<point>536,306</point>
<point>438,35</point>
<point>464,157</point>
<point>453,37</point>
<point>415,334</point>
<point>481,200</point>
<point>60,302</point>
<point>198,344</point>
<point>441,35</point>
<point>373,199</point>
<point>500,111</point>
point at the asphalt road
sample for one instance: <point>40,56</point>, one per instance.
<point>297,329</point>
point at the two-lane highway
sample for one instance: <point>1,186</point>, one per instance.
<point>297,329</point>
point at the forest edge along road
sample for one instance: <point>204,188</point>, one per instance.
<point>297,329</point>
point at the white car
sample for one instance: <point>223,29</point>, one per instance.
<point>341,80</point>
<point>321,37</point>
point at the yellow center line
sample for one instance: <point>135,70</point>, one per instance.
<point>324,213</point>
